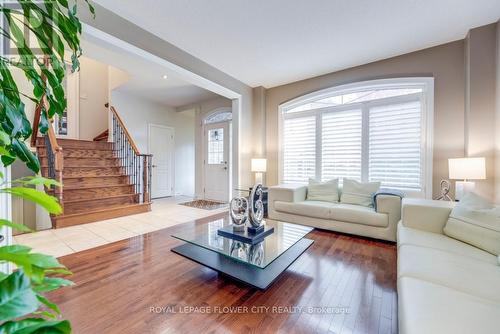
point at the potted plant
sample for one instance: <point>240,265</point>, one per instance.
<point>56,28</point>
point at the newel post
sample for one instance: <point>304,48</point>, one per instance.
<point>145,178</point>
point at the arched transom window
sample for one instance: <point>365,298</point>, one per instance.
<point>371,131</point>
<point>218,117</point>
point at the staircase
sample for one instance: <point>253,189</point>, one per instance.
<point>95,185</point>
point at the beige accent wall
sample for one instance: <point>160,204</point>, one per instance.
<point>259,121</point>
<point>497,117</point>
<point>445,63</point>
<point>480,101</point>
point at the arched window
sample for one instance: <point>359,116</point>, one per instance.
<point>370,131</point>
<point>218,117</point>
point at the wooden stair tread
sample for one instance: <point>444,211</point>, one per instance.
<point>95,176</point>
<point>95,184</point>
<point>100,198</point>
<point>98,186</point>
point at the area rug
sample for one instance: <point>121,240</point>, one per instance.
<point>205,204</point>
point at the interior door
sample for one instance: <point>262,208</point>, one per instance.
<point>217,161</point>
<point>161,146</point>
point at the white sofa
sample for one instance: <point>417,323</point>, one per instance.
<point>288,203</point>
<point>444,285</point>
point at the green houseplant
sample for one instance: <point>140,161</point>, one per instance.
<point>55,27</point>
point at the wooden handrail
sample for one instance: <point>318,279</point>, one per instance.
<point>129,137</point>
<point>57,150</point>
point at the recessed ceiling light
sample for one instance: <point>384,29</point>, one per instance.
<point>164,76</point>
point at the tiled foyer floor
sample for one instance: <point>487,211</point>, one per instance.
<point>64,241</point>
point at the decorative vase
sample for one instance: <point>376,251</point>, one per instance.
<point>256,210</point>
<point>238,210</point>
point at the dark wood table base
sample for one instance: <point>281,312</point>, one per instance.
<point>243,272</point>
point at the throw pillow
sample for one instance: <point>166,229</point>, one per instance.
<point>354,192</point>
<point>477,222</point>
<point>323,191</point>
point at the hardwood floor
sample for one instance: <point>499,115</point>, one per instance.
<point>122,288</point>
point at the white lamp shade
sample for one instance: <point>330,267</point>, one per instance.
<point>467,169</point>
<point>259,165</point>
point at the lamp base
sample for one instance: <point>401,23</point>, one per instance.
<point>462,188</point>
<point>258,178</point>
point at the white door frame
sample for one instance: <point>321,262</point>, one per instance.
<point>231,149</point>
<point>172,160</point>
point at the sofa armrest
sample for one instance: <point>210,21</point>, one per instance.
<point>391,205</point>
<point>287,193</point>
<point>426,215</point>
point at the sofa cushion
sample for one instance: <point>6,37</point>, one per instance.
<point>476,222</point>
<point>354,192</point>
<point>411,236</point>
<point>452,270</point>
<point>340,212</point>
<point>323,191</point>
<point>315,209</point>
<point>358,215</point>
<point>425,307</point>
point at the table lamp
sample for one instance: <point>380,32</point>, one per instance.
<point>466,169</point>
<point>259,166</point>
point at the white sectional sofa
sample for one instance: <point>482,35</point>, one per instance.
<point>444,285</point>
<point>288,203</point>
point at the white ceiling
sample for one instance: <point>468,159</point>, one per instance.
<point>272,42</point>
<point>146,78</point>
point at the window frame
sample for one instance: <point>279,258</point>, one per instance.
<point>426,97</point>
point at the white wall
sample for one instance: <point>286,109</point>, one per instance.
<point>137,113</point>
<point>93,118</point>
<point>116,26</point>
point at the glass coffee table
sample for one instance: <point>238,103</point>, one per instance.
<point>258,265</point>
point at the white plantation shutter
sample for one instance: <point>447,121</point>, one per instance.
<point>299,149</point>
<point>395,157</point>
<point>341,140</point>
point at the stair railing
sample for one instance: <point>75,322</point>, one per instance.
<point>136,165</point>
<point>54,152</point>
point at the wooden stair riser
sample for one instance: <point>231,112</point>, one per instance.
<point>92,193</point>
<point>109,213</point>
<point>89,171</point>
<point>81,153</point>
<point>84,162</point>
<point>99,203</point>
<point>95,181</point>
<point>80,144</point>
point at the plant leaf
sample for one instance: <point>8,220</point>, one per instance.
<point>48,303</point>
<point>37,180</point>
<point>49,203</point>
<point>34,265</point>
<point>16,296</point>
<point>19,227</point>
<point>36,326</point>
<point>51,283</point>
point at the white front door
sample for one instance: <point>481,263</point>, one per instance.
<point>161,146</point>
<point>217,138</point>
